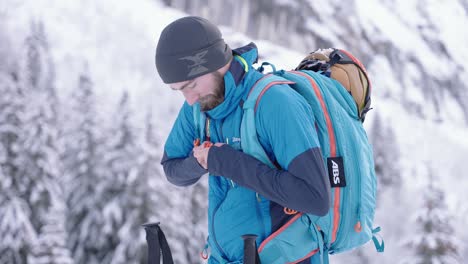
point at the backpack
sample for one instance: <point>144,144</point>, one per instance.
<point>347,153</point>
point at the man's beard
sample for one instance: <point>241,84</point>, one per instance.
<point>211,101</point>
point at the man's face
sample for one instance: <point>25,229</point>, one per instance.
<point>207,89</point>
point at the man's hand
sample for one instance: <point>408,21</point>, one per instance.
<point>201,153</point>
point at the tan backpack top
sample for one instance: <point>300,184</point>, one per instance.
<point>346,69</point>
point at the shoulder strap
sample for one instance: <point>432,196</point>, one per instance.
<point>260,87</point>
<point>250,143</point>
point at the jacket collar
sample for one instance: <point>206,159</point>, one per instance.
<point>233,80</point>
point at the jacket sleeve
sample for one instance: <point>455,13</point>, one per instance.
<point>180,166</point>
<point>285,123</point>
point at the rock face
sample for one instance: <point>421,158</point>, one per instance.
<point>417,40</point>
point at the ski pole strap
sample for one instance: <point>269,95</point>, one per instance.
<point>157,245</point>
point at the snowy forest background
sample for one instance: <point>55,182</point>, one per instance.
<point>83,118</point>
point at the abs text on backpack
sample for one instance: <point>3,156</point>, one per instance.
<point>338,113</point>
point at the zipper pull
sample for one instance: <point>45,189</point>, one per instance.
<point>357,226</point>
<point>204,254</point>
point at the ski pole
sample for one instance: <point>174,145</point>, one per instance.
<point>157,244</point>
<point>250,250</point>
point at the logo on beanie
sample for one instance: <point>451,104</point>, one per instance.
<point>197,60</point>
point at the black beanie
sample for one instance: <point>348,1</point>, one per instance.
<point>190,47</point>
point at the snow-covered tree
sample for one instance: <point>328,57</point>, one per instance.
<point>38,70</point>
<point>81,151</point>
<point>51,247</point>
<point>125,193</point>
<point>386,154</point>
<point>180,210</point>
<point>461,218</point>
<point>38,159</point>
<point>10,124</point>
<point>38,156</point>
<point>18,234</point>
<point>434,241</point>
<point>139,198</point>
<point>170,204</point>
<point>464,236</point>
<point>16,230</point>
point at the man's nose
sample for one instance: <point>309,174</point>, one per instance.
<point>190,97</point>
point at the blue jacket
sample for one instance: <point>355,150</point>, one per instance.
<point>245,195</point>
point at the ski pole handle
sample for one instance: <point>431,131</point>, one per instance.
<point>250,249</point>
<point>157,244</point>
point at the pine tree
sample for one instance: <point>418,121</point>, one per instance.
<point>386,154</point>
<point>38,156</point>
<point>125,191</point>
<point>180,210</point>
<point>434,241</point>
<point>149,196</point>
<point>16,230</point>
<point>51,246</point>
<point>138,202</point>
<point>170,205</point>
<point>18,234</point>
<point>81,152</point>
